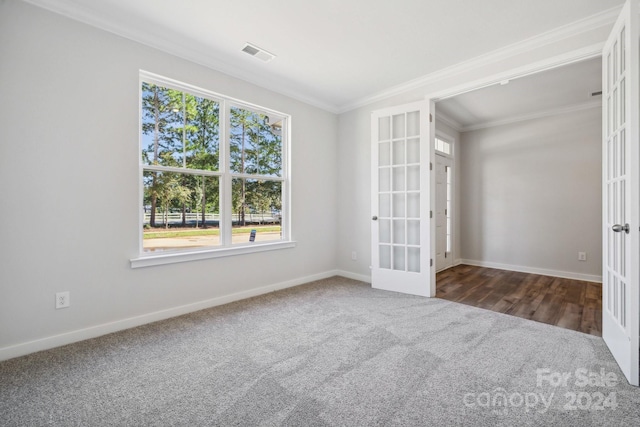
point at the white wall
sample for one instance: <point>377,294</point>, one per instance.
<point>531,195</point>
<point>69,168</point>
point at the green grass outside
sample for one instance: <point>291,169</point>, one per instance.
<point>205,232</point>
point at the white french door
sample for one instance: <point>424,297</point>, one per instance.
<point>401,199</point>
<point>621,186</point>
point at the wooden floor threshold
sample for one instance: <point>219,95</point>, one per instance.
<point>567,303</point>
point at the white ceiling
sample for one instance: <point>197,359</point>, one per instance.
<point>331,53</point>
<point>563,88</point>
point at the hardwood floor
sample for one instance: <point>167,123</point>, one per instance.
<point>570,304</point>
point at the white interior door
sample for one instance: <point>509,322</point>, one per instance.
<point>621,200</point>
<point>401,199</point>
<point>443,175</point>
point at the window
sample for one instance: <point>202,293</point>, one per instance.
<point>213,172</point>
<point>443,146</point>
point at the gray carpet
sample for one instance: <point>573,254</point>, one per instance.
<point>330,353</point>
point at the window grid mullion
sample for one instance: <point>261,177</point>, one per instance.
<point>258,177</point>
<point>186,171</point>
<point>226,213</point>
<point>286,190</point>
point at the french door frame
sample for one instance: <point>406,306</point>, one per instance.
<point>402,196</point>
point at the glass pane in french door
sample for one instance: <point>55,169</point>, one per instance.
<point>399,192</point>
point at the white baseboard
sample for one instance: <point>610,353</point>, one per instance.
<point>354,276</point>
<point>533,270</point>
<point>456,262</point>
<point>131,322</point>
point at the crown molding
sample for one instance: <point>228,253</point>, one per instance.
<point>607,17</point>
<point>538,115</point>
<point>157,40</point>
<point>448,121</point>
<point>566,58</point>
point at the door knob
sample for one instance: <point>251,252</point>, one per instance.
<point>375,218</point>
<point>618,228</point>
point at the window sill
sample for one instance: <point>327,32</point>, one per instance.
<point>175,257</point>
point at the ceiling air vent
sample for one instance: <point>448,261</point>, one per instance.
<point>257,52</point>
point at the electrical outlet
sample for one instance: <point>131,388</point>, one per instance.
<point>354,256</point>
<point>582,256</point>
<point>63,300</point>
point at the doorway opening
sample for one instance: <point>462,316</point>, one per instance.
<point>527,196</point>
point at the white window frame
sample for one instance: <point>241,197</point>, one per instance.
<point>226,248</point>
<point>447,140</point>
